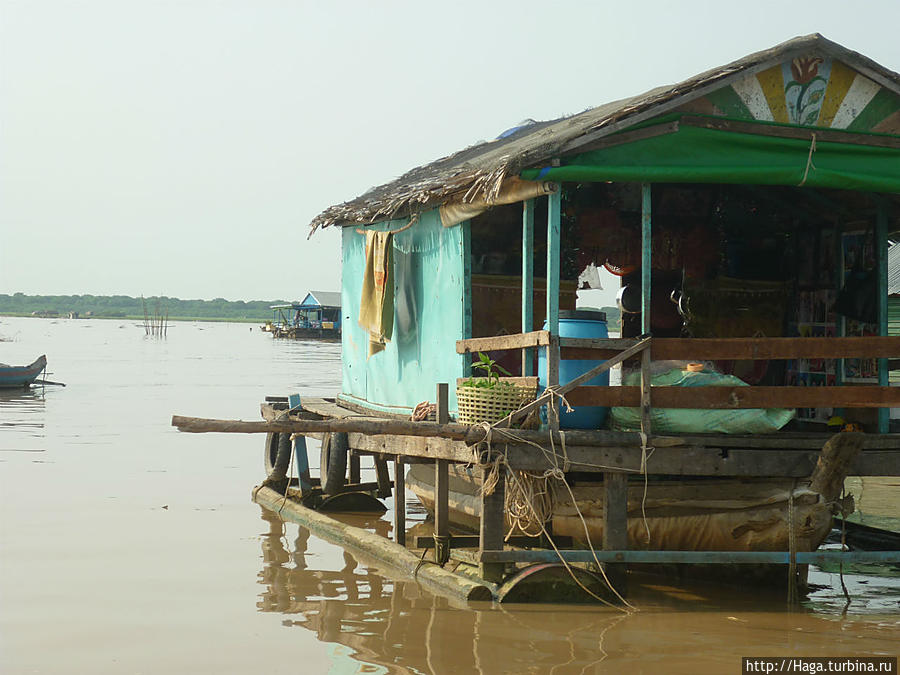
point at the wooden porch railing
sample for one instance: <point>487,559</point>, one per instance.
<point>703,349</point>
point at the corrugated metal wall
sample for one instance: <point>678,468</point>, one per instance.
<point>429,299</point>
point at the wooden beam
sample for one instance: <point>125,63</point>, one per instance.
<point>383,477</point>
<point>373,426</point>
<point>693,557</point>
<point>714,455</point>
<point>442,483</point>
<point>353,468</point>
<point>492,524</point>
<point>536,338</point>
<point>763,349</point>
<point>863,396</point>
<point>553,381</point>
<point>822,135</point>
<point>400,501</point>
<point>631,136</point>
<point>474,540</point>
<point>442,399</point>
<point>702,461</point>
<point>442,509</point>
<point>430,448</point>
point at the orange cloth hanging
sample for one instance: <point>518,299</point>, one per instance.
<point>376,307</point>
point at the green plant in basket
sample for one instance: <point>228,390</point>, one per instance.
<point>492,372</point>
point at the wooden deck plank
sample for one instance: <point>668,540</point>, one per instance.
<point>537,338</point>
<point>327,407</point>
<point>699,349</point>
<point>688,460</point>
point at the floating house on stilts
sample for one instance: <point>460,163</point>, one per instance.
<point>747,212</point>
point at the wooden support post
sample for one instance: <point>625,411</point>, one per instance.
<point>354,467</point>
<point>646,257</point>
<point>527,282</point>
<point>301,458</point>
<point>442,486</point>
<point>554,219</point>
<point>881,249</point>
<point>490,534</point>
<point>383,477</point>
<point>400,501</point>
<point>646,410</point>
<point>442,511</point>
<point>553,380</point>
<point>442,403</point>
<point>615,525</point>
<point>646,284</point>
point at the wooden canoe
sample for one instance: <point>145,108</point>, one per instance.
<point>21,376</point>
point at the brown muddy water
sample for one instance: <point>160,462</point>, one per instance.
<point>127,547</point>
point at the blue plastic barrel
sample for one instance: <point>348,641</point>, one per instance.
<point>579,323</point>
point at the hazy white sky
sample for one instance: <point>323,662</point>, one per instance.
<point>181,147</point>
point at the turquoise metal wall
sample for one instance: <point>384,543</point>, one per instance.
<point>430,300</point>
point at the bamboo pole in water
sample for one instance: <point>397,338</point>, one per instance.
<point>457,432</point>
<point>384,552</point>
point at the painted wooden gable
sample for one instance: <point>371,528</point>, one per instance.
<point>810,91</point>
<point>430,315</point>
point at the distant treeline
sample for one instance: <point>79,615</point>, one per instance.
<point>123,306</point>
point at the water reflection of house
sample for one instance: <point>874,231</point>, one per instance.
<point>318,316</point>
<point>377,622</point>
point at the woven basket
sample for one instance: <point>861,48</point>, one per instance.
<point>480,404</point>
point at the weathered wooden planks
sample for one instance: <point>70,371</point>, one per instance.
<point>701,349</point>
<point>698,456</point>
<point>538,338</point>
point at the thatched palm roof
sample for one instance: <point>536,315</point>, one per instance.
<point>478,171</point>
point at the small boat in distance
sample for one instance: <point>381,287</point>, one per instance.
<point>21,376</point>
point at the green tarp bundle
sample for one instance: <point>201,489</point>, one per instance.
<point>702,155</point>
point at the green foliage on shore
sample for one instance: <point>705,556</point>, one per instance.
<point>123,306</point>
<point>126,307</point>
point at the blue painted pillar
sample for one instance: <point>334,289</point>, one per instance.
<point>646,258</point>
<point>881,251</point>
<point>554,206</point>
<point>301,458</point>
<point>466,250</point>
<point>527,280</point>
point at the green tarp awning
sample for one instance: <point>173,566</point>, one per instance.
<point>701,155</point>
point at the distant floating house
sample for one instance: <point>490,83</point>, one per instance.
<point>317,316</point>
